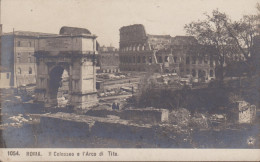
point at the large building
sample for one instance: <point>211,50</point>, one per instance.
<point>17,57</point>
<point>140,51</point>
<point>108,60</point>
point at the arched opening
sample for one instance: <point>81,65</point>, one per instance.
<point>30,70</point>
<point>19,71</point>
<point>211,73</point>
<point>138,59</point>
<point>187,60</point>
<point>150,59</point>
<point>134,59</point>
<point>144,59</point>
<point>175,59</point>
<point>160,59</point>
<point>59,86</point>
<point>167,71</point>
<point>194,73</point>
<point>202,75</point>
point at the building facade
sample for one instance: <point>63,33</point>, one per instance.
<point>17,56</point>
<point>162,53</point>
<point>108,60</point>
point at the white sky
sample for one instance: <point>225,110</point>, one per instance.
<point>104,17</point>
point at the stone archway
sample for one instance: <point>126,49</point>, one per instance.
<point>74,53</point>
<point>81,81</point>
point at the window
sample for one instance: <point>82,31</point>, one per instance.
<point>200,73</point>
<point>134,59</point>
<point>211,73</point>
<point>205,60</point>
<point>19,71</point>
<point>193,72</point>
<point>150,59</point>
<point>175,59</point>
<point>144,59</point>
<point>7,76</point>
<point>138,59</point>
<point>30,70</point>
<point>30,44</point>
<point>18,59</point>
<point>187,60</point>
<point>193,60</point>
<point>18,43</point>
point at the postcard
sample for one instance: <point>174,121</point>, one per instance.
<point>130,80</point>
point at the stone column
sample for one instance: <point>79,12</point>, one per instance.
<point>41,81</point>
<point>83,93</point>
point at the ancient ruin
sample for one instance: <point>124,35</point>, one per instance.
<point>74,53</point>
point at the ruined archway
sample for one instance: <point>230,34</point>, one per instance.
<point>72,53</point>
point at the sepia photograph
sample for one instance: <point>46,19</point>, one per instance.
<point>92,78</point>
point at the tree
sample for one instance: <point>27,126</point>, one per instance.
<point>212,32</point>
<point>243,33</point>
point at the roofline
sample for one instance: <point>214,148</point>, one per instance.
<point>36,33</point>
<point>59,36</point>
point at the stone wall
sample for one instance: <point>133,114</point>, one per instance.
<point>145,115</point>
<point>148,115</point>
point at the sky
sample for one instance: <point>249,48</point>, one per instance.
<point>105,17</point>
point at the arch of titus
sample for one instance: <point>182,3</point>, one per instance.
<point>71,51</point>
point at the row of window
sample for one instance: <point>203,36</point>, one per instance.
<point>20,44</point>
<point>133,59</point>
<point>200,60</point>
<point>29,59</point>
<point>134,48</point>
<point>201,73</point>
<point>19,71</point>
<point>132,69</point>
<point>30,54</point>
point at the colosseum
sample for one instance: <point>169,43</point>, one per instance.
<point>139,51</point>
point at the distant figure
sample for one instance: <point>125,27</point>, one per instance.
<point>117,106</point>
<point>114,106</point>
